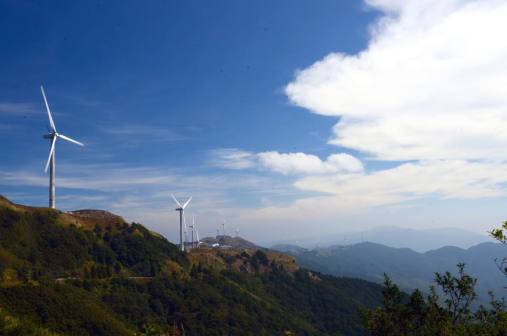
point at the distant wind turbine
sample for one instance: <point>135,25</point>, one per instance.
<point>53,135</point>
<point>194,227</point>
<point>181,209</point>
<point>185,229</point>
<point>195,233</point>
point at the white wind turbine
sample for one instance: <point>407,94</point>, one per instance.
<point>191,227</point>
<point>194,229</point>
<point>185,229</point>
<point>53,135</point>
<point>196,232</point>
<point>181,209</point>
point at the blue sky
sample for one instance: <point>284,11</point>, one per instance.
<point>268,112</point>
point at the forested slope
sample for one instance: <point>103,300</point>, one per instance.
<point>90,273</point>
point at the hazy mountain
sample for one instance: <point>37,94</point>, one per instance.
<point>288,248</point>
<point>406,267</point>
<point>420,240</point>
<point>90,273</point>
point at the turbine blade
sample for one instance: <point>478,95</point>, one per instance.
<point>51,151</point>
<point>51,122</point>
<point>186,203</point>
<point>69,139</point>
<point>174,198</point>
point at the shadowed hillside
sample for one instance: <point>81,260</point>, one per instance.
<point>91,273</point>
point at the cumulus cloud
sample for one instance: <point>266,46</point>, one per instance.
<point>231,158</point>
<point>301,163</point>
<point>285,163</point>
<point>431,84</point>
<point>429,92</point>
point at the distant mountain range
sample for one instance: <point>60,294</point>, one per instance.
<point>420,240</point>
<point>407,268</point>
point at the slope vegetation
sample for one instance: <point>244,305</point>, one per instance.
<point>90,273</point>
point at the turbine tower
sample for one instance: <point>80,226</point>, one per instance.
<point>196,232</point>
<point>181,209</point>
<point>192,227</point>
<point>197,235</point>
<point>52,136</point>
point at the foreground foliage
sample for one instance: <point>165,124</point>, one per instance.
<point>450,314</point>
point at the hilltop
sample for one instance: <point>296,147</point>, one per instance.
<point>88,272</point>
<point>228,241</point>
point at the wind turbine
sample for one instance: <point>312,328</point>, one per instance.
<point>191,226</point>
<point>196,231</point>
<point>181,209</point>
<point>185,229</point>
<point>53,135</point>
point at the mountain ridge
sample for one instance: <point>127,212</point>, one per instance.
<point>420,240</point>
<point>408,268</point>
<point>61,277</point>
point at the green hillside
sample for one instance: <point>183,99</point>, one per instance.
<point>90,273</point>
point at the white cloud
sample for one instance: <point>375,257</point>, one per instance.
<point>284,163</point>
<point>231,158</point>
<point>431,89</point>
<point>443,178</point>
<point>17,108</point>
<point>301,163</point>
<point>347,194</point>
<point>432,83</point>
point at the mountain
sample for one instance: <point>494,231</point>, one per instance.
<point>420,240</point>
<point>89,272</point>
<point>289,248</point>
<point>407,268</point>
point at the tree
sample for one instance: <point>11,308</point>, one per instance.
<point>501,235</point>
<point>449,315</point>
<point>459,292</point>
